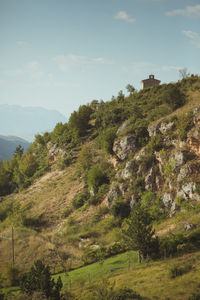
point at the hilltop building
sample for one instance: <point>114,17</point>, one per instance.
<point>151,81</point>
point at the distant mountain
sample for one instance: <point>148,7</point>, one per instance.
<point>25,122</point>
<point>8,145</point>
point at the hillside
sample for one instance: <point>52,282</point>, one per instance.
<point>68,197</point>
<point>8,145</point>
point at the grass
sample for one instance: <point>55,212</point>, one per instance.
<point>113,265</point>
<point>151,280</point>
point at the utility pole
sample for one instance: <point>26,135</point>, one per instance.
<point>13,249</point>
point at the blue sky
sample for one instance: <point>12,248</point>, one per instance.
<point>60,54</point>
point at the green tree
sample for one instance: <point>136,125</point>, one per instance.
<point>39,279</point>
<point>4,181</point>
<point>120,96</point>
<point>172,96</point>
<point>130,88</point>
<point>79,120</point>
<point>85,158</point>
<point>138,233</point>
<point>107,139</point>
<point>19,151</point>
<point>96,177</point>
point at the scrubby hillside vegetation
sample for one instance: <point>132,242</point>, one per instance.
<point>120,175</point>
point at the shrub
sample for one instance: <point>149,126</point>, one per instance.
<point>172,96</point>
<point>80,199</point>
<point>175,270</point>
<point>107,139</point>
<point>120,209</point>
<point>184,124</point>
<point>65,213</point>
<point>126,294</point>
<point>195,296</point>
<point>96,177</point>
<point>12,275</point>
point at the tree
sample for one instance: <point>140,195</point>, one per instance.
<point>172,96</point>
<point>79,120</point>
<point>120,96</point>
<point>184,73</point>
<point>39,279</point>
<point>130,88</point>
<point>4,180</point>
<point>85,158</point>
<point>19,151</point>
<point>138,233</point>
<point>96,177</point>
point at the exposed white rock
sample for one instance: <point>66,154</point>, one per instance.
<point>167,200</point>
<point>124,146</point>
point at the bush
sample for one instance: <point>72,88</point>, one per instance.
<point>195,296</point>
<point>96,177</point>
<point>172,96</point>
<point>126,294</point>
<point>80,199</point>
<point>107,138</point>
<point>175,270</point>
<point>184,124</point>
<point>12,275</point>
<point>121,209</point>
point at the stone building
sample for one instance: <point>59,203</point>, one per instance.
<point>151,81</point>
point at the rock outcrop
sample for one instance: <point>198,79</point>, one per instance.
<point>124,146</point>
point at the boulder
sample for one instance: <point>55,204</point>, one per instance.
<point>193,135</point>
<point>164,127</point>
<point>188,227</point>
<point>140,154</point>
<point>180,158</point>
<point>160,128</point>
<point>124,146</point>
<point>167,200</point>
<point>188,191</point>
<point>184,172</point>
<point>112,195</point>
<point>150,180</point>
<point>54,151</point>
<point>127,171</point>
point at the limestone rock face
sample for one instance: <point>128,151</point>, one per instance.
<point>124,146</point>
<point>127,171</point>
<point>160,128</point>
<point>193,139</point>
<point>54,151</point>
<point>188,191</point>
<point>167,200</point>
<point>112,195</point>
<point>184,172</point>
<point>180,158</point>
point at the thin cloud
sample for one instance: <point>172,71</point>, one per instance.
<point>123,16</point>
<point>22,43</point>
<point>71,61</point>
<point>189,11</point>
<point>193,36</point>
<point>145,67</point>
<point>32,69</point>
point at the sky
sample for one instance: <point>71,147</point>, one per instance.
<point>60,54</point>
